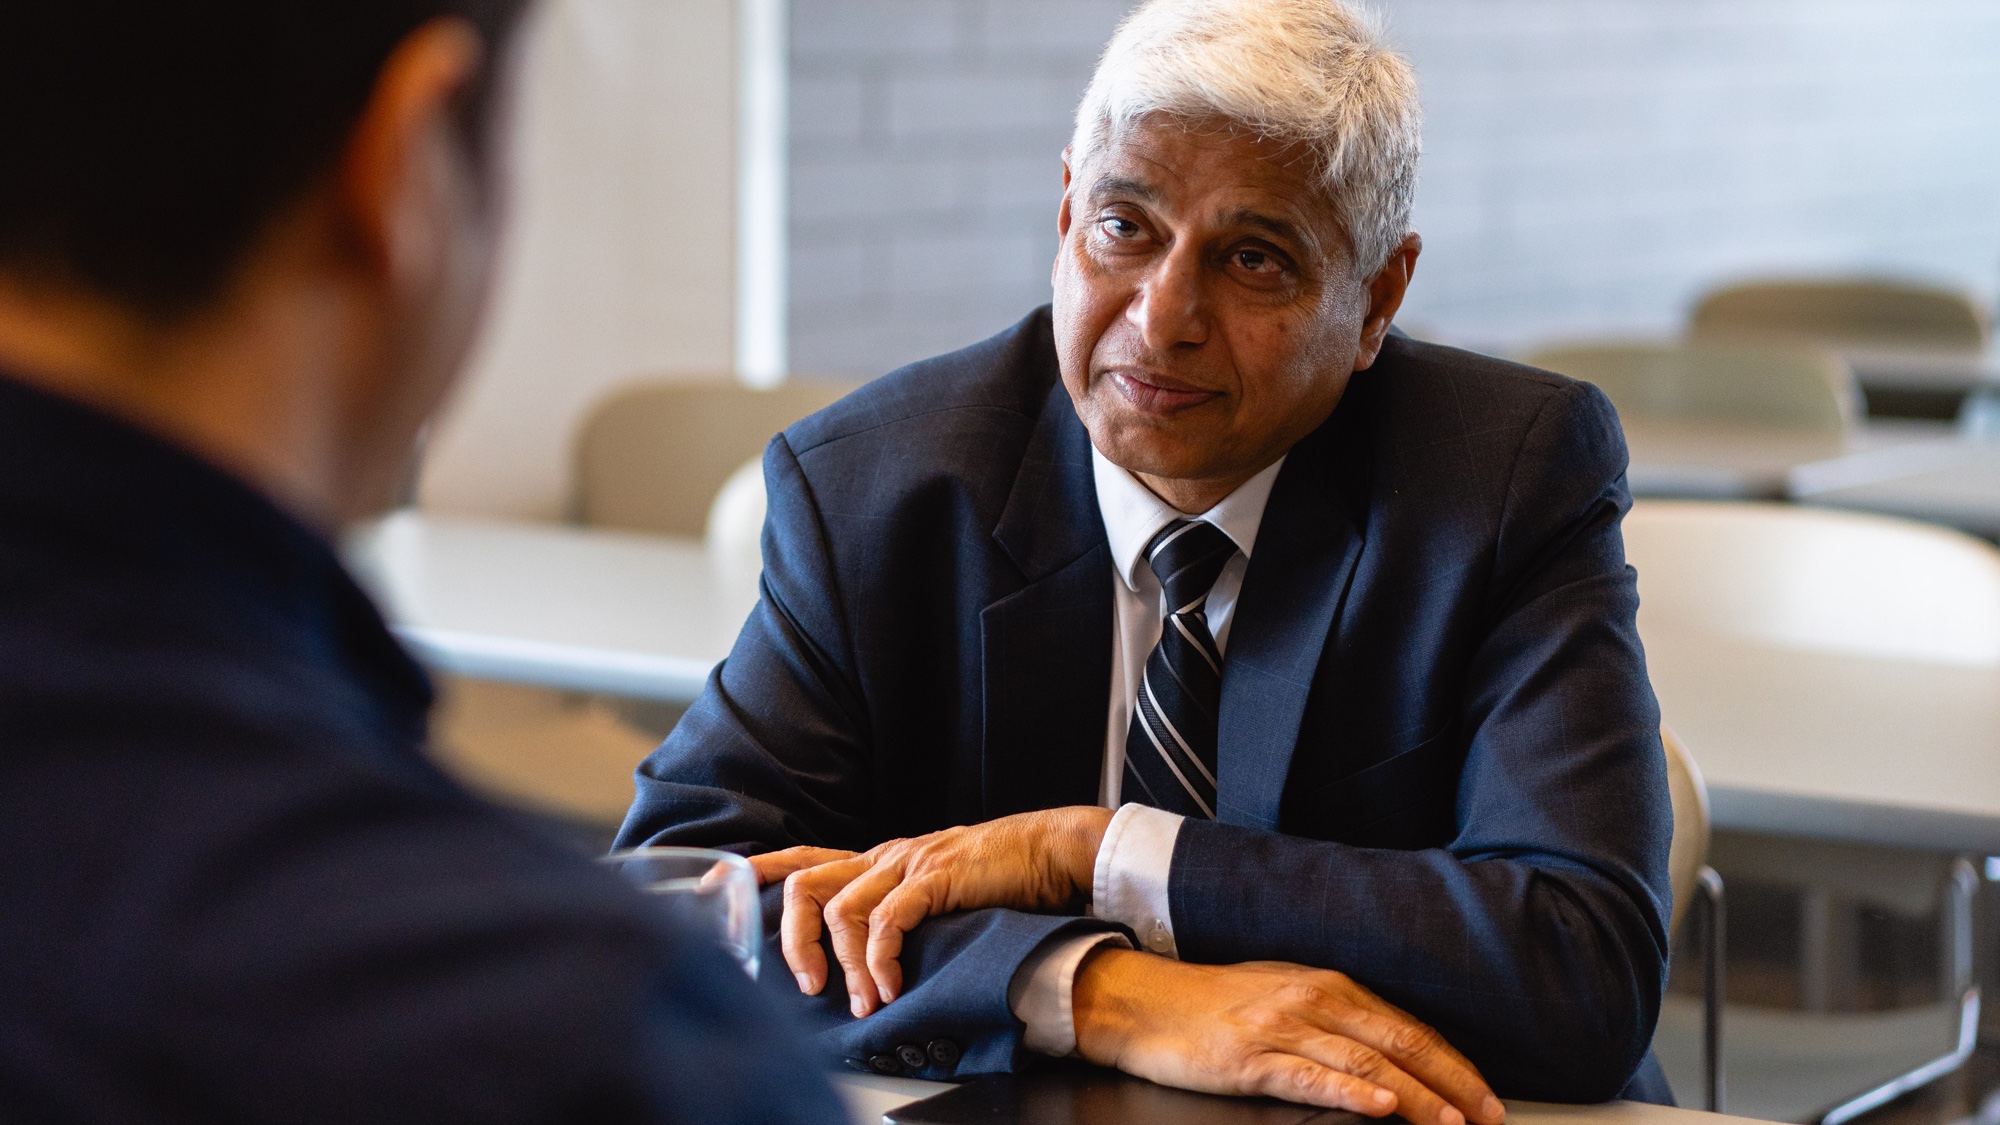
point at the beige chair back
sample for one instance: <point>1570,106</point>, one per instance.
<point>1859,311</point>
<point>1790,385</point>
<point>1690,800</point>
<point>1816,579</point>
<point>652,457</point>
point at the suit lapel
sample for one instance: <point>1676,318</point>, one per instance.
<point>1047,646</point>
<point>1305,555</point>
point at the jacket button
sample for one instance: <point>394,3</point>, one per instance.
<point>943,1052</point>
<point>912,1056</point>
<point>884,1064</point>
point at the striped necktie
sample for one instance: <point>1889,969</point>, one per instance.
<point>1170,747</point>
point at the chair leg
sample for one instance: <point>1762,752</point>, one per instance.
<point>1959,888</point>
<point>1715,949</point>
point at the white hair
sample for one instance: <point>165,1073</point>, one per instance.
<point>1316,73</point>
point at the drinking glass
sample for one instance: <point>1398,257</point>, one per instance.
<point>715,892</point>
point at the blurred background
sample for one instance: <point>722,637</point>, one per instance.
<point>1591,167</point>
<point>1768,229</point>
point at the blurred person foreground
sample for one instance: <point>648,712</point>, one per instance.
<point>242,249</point>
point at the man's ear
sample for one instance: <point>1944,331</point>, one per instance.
<point>1062,210</point>
<point>1385,296</point>
<point>404,150</point>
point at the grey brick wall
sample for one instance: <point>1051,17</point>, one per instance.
<point>1590,165</point>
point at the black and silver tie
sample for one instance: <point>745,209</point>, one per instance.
<point>1170,748</point>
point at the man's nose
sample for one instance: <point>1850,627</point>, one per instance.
<point>1172,307</point>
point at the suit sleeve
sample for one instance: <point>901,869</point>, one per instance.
<point>775,753</point>
<point>1535,940</point>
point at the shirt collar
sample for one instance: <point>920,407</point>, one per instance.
<point>1133,515</point>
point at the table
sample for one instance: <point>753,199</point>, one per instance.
<point>1836,747</point>
<point>644,616</point>
<point>1724,460</point>
<point>1921,369</point>
<point>869,1096</point>
<point>1812,744</point>
<point>1955,483</point>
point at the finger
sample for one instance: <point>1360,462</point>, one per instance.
<point>847,930</point>
<point>806,893</point>
<point>909,903</point>
<point>1298,1079</point>
<point>773,866</point>
<point>798,933</point>
<point>1418,1050</point>
<point>1417,1102</point>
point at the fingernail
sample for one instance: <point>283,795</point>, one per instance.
<point>805,983</point>
<point>886,993</point>
<point>1449,1115</point>
<point>854,1005</point>
<point>1492,1110</point>
<point>1383,1098</point>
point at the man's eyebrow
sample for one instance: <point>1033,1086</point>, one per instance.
<point>1280,228</point>
<point>1122,185</point>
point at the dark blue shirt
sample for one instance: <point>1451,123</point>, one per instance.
<point>232,887</point>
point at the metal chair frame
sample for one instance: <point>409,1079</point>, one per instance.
<point>1708,891</point>
<point>1959,888</point>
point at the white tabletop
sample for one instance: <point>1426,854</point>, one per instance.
<point>587,610</point>
<point>868,1097</point>
<point>1836,747</point>
<point>1920,368</point>
<point>1954,483</point>
<point>1812,744</point>
<point>1720,460</point>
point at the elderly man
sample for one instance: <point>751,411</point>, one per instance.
<point>1338,623</point>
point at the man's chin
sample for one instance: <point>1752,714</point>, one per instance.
<point>1155,455</point>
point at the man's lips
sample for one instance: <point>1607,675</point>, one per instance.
<point>1157,394</point>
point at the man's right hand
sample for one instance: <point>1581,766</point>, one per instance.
<point>1276,1029</point>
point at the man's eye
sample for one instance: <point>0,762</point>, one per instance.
<point>1256,261</point>
<point>1119,228</point>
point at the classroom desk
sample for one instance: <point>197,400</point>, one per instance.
<point>1800,743</point>
<point>1955,483</point>
<point>1836,747</point>
<point>1721,460</point>
<point>1923,369</point>
<point>643,616</point>
<point>868,1097</point>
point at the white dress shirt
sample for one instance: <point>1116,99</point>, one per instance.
<point>1129,884</point>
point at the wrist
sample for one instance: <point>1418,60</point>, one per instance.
<point>1102,1003</point>
<point>1086,826</point>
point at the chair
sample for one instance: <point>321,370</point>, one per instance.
<point>1692,877</point>
<point>649,458</point>
<point>1836,582</point>
<point>1816,579</point>
<point>1782,385</point>
<point>652,457</point>
<point>734,535</point>
<point>1847,311</point>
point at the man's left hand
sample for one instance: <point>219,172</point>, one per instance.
<point>1029,861</point>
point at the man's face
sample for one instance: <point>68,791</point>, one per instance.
<point>1207,315</point>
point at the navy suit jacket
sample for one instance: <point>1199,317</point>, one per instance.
<point>1440,766</point>
<point>232,888</point>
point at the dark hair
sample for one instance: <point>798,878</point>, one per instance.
<point>145,143</point>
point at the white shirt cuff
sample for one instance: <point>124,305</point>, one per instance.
<point>1043,988</point>
<point>1129,884</point>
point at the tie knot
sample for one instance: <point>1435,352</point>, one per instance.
<point>1188,556</point>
